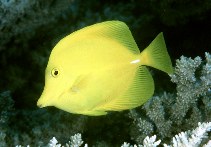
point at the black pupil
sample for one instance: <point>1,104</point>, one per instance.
<point>56,72</point>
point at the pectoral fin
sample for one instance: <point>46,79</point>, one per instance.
<point>79,84</point>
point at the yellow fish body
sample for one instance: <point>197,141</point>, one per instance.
<point>100,68</point>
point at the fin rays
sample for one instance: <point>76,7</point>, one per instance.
<point>139,92</point>
<point>156,55</point>
<point>112,30</point>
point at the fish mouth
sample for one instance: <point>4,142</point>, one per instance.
<point>48,98</point>
<point>39,104</point>
<point>43,101</point>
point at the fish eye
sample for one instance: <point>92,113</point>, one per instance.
<point>55,72</point>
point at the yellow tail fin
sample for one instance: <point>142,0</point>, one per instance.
<point>156,55</point>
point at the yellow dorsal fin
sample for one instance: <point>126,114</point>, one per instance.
<point>115,30</point>
<point>139,92</point>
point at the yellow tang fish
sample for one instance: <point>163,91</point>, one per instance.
<point>100,68</point>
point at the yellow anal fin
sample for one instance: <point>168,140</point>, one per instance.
<point>139,92</point>
<point>93,113</point>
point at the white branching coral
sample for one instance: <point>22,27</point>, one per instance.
<point>191,138</point>
<point>148,142</point>
<point>184,109</point>
<point>53,143</point>
<point>75,141</point>
<point>184,139</point>
<point>143,126</point>
<point>193,81</point>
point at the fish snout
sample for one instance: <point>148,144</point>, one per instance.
<point>45,99</point>
<point>39,104</point>
<point>42,101</point>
